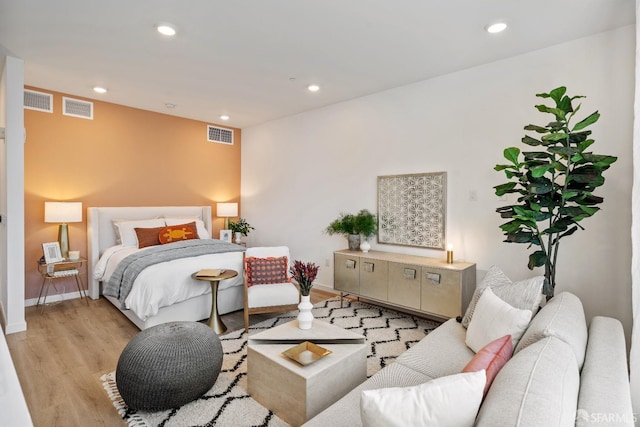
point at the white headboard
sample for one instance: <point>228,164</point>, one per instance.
<point>101,233</point>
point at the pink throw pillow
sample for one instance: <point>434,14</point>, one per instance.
<point>492,357</point>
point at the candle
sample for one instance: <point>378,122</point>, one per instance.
<point>449,254</point>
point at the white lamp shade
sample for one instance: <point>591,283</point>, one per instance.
<point>227,209</point>
<point>62,212</point>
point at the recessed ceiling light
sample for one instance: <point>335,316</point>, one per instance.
<point>313,88</point>
<point>99,89</point>
<point>166,29</point>
<point>169,105</point>
<point>497,27</point>
<point>224,117</point>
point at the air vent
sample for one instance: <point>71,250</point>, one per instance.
<point>77,108</point>
<point>39,101</point>
<point>221,135</point>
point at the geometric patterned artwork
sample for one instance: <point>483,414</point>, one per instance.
<point>411,209</point>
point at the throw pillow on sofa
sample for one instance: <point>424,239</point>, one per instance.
<point>525,294</point>
<point>561,317</point>
<point>446,401</point>
<point>494,318</point>
<point>492,357</point>
<point>538,387</point>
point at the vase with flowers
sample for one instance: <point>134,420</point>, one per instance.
<point>304,274</point>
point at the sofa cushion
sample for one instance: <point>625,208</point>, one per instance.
<point>442,352</point>
<point>450,401</point>
<point>346,411</point>
<point>525,294</point>
<point>538,387</point>
<point>494,318</point>
<point>604,380</point>
<point>562,317</point>
<point>492,357</point>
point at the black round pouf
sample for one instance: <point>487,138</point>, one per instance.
<point>168,365</point>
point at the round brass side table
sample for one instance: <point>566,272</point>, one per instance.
<point>215,322</point>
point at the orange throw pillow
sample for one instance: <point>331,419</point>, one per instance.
<point>176,233</point>
<point>148,236</point>
<point>492,357</point>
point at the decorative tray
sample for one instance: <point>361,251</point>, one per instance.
<point>306,353</point>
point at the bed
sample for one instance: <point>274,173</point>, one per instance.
<point>192,299</point>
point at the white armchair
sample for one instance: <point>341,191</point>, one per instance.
<point>267,282</point>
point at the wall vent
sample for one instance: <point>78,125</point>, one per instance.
<point>77,108</point>
<point>39,101</point>
<point>221,135</point>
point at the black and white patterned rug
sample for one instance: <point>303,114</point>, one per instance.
<point>388,334</point>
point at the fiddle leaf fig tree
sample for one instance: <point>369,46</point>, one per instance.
<point>554,182</point>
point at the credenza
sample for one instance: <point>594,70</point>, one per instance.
<point>425,285</point>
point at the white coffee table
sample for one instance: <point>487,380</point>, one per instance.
<point>295,392</point>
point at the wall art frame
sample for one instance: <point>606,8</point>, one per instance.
<point>412,209</point>
<point>52,253</point>
<point>225,236</point>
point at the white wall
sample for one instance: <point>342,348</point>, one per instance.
<point>299,172</point>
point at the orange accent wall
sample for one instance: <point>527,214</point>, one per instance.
<point>123,157</point>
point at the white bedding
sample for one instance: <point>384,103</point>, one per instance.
<point>169,282</point>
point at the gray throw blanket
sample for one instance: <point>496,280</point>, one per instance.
<point>120,282</point>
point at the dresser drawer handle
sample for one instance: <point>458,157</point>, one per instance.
<point>409,273</point>
<point>433,277</point>
<point>350,264</point>
<point>368,267</point>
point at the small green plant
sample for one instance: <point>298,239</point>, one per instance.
<point>366,224</point>
<point>554,184</point>
<point>242,226</point>
<point>344,225</point>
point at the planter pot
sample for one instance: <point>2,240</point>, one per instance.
<point>354,242</point>
<point>238,237</point>
<point>365,246</point>
<point>305,316</point>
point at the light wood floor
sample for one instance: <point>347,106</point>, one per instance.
<point>65,351</point>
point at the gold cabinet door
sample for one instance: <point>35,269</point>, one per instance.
<point>374,277</point>
<point>441,294</point>
<point>346,276</point>
<point>404,284</point>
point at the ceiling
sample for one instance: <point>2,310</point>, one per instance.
<point>253,60</point>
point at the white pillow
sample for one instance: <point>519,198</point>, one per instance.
<point>446,401</point>
<point>127,233</point>
<point>525,294</point>
<point>493,318</point>
<point>202,230</point>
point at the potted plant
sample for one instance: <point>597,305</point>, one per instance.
<point>345,225</point>
<point>304,274</point>
<point>240,228</point>
<point>554,183</point>
<point>367,225</point>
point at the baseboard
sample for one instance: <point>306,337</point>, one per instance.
<point>53,298</point>
<point>325,288</point>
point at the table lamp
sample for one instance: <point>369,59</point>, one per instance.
<point>227,210</point>
<point>62,213</point>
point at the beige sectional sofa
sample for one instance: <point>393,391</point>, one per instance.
<point>560,373</point>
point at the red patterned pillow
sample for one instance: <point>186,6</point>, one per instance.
<point>492,357</point>
<point>175,233</point>
<point>266,271</point>
<point>148,236</point>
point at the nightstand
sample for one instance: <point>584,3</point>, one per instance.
<point>55,271</point>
